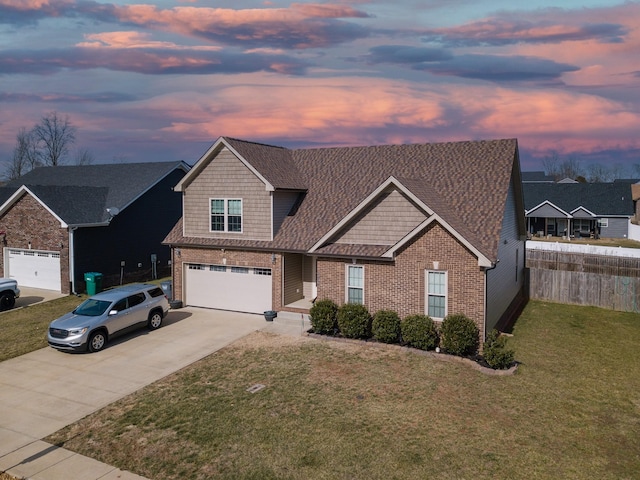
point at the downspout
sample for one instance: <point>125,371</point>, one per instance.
<point>486,300</point>
<point>72,266</point>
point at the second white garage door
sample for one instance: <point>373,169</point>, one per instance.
<point>34,268</point>
<point>240,289</point>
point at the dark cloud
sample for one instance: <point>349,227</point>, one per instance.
<point>147,61</point>
<point>405,55</point>
<point>287,35</point>
<point>299,27</point>
<point>496,68</point>
<point>500,32</point>
<point>47,97</point>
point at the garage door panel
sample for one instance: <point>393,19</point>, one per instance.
<point>228,288</point>
<point>34,268</point>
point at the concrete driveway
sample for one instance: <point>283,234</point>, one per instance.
<point>45,390</point>
<point>31,296</point>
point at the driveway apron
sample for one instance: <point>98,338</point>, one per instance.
<point>46,390</point>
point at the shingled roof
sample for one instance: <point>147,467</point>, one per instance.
<point>601,199</point>
<point>80,195</point>
<point>465,183</point>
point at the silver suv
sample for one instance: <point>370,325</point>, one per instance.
<point>108,314</point>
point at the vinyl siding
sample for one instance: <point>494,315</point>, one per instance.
<point>618,228</point>
<point>227,177</point>
<point>293,289</point>
<point>283,202</point>
<point>308,276</point>
<point>546,211</point>
<point>507,278</point>
<point>386,222</point>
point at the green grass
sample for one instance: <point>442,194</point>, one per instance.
<point>24,330</point>
<point>333,410</point>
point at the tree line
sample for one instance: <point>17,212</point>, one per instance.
<point>48,143</point>
<point>592,173</point>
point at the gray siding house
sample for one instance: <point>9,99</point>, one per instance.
<point>577,210</point>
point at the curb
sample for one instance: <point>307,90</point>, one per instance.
<point>438,356</point>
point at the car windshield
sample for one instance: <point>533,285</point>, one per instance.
<point>92,308</point>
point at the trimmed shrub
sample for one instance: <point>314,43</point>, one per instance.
<point>495,352</point>
<point>324,317</point>
<point>386,326</point>
<point>419,331</point>
<point>354,321</point>
<point>459,335</point>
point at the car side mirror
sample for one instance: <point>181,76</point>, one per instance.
<point>113,312</point>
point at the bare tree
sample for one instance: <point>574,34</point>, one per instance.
<point>551,166</point>
<point>570,168</point>
<point>54,136</point>
<point>25,155</point>
<point>84,157</point>
<point>598,173</point>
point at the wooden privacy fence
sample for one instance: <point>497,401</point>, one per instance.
<point>585,279</point>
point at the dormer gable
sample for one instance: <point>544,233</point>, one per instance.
<point>390,216</point>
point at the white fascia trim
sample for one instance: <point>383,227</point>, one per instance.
<point>547,202</point>
<point>25,190</point>
<point>483,261</point>
<point>362,205</point>
<point>203,161</point>
<point>583,209</point>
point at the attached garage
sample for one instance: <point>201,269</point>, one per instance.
<point>33,268</point>
<point>240,289</point>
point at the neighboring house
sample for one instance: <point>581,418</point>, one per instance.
<point>420,229</point>
<point>57,223</point>
<point>537,177</point>
<point>581,209</point>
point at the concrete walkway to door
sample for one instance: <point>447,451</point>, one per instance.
<point>46,390</point>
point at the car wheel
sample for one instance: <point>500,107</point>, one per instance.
<point>7,301</point>
<point>155,320</point>
<point>97,341</point>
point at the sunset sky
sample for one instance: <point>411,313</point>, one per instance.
<point>160,81</point>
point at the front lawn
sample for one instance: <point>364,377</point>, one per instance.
<point>335,410</point>
<point>24,330</point>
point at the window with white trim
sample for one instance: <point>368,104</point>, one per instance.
<point>436,294</point>
<point>603,222</point>
<point>226,215</point>
<point>355,284</point>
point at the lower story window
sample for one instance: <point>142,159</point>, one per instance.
<point>355,284</point>
<point>436,294</point>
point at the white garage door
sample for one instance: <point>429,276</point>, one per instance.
<point>240,289</point>
<point>34,268</point>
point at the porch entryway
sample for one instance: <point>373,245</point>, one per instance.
<point>299,282</point>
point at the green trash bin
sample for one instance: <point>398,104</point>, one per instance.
<point>94,282</point>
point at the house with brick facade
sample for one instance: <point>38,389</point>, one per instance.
<point>58,223</point>
<point>420,229</point>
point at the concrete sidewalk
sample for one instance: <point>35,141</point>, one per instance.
<point>46,390</point>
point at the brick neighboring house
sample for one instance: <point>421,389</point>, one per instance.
<point>57,223</point>
<point>428,228</point>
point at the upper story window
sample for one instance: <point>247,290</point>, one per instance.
<point>226,215</point>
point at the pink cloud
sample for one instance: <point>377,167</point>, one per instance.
<point>299,26</point>
<point>28,4</point>
<point>133,39</point>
